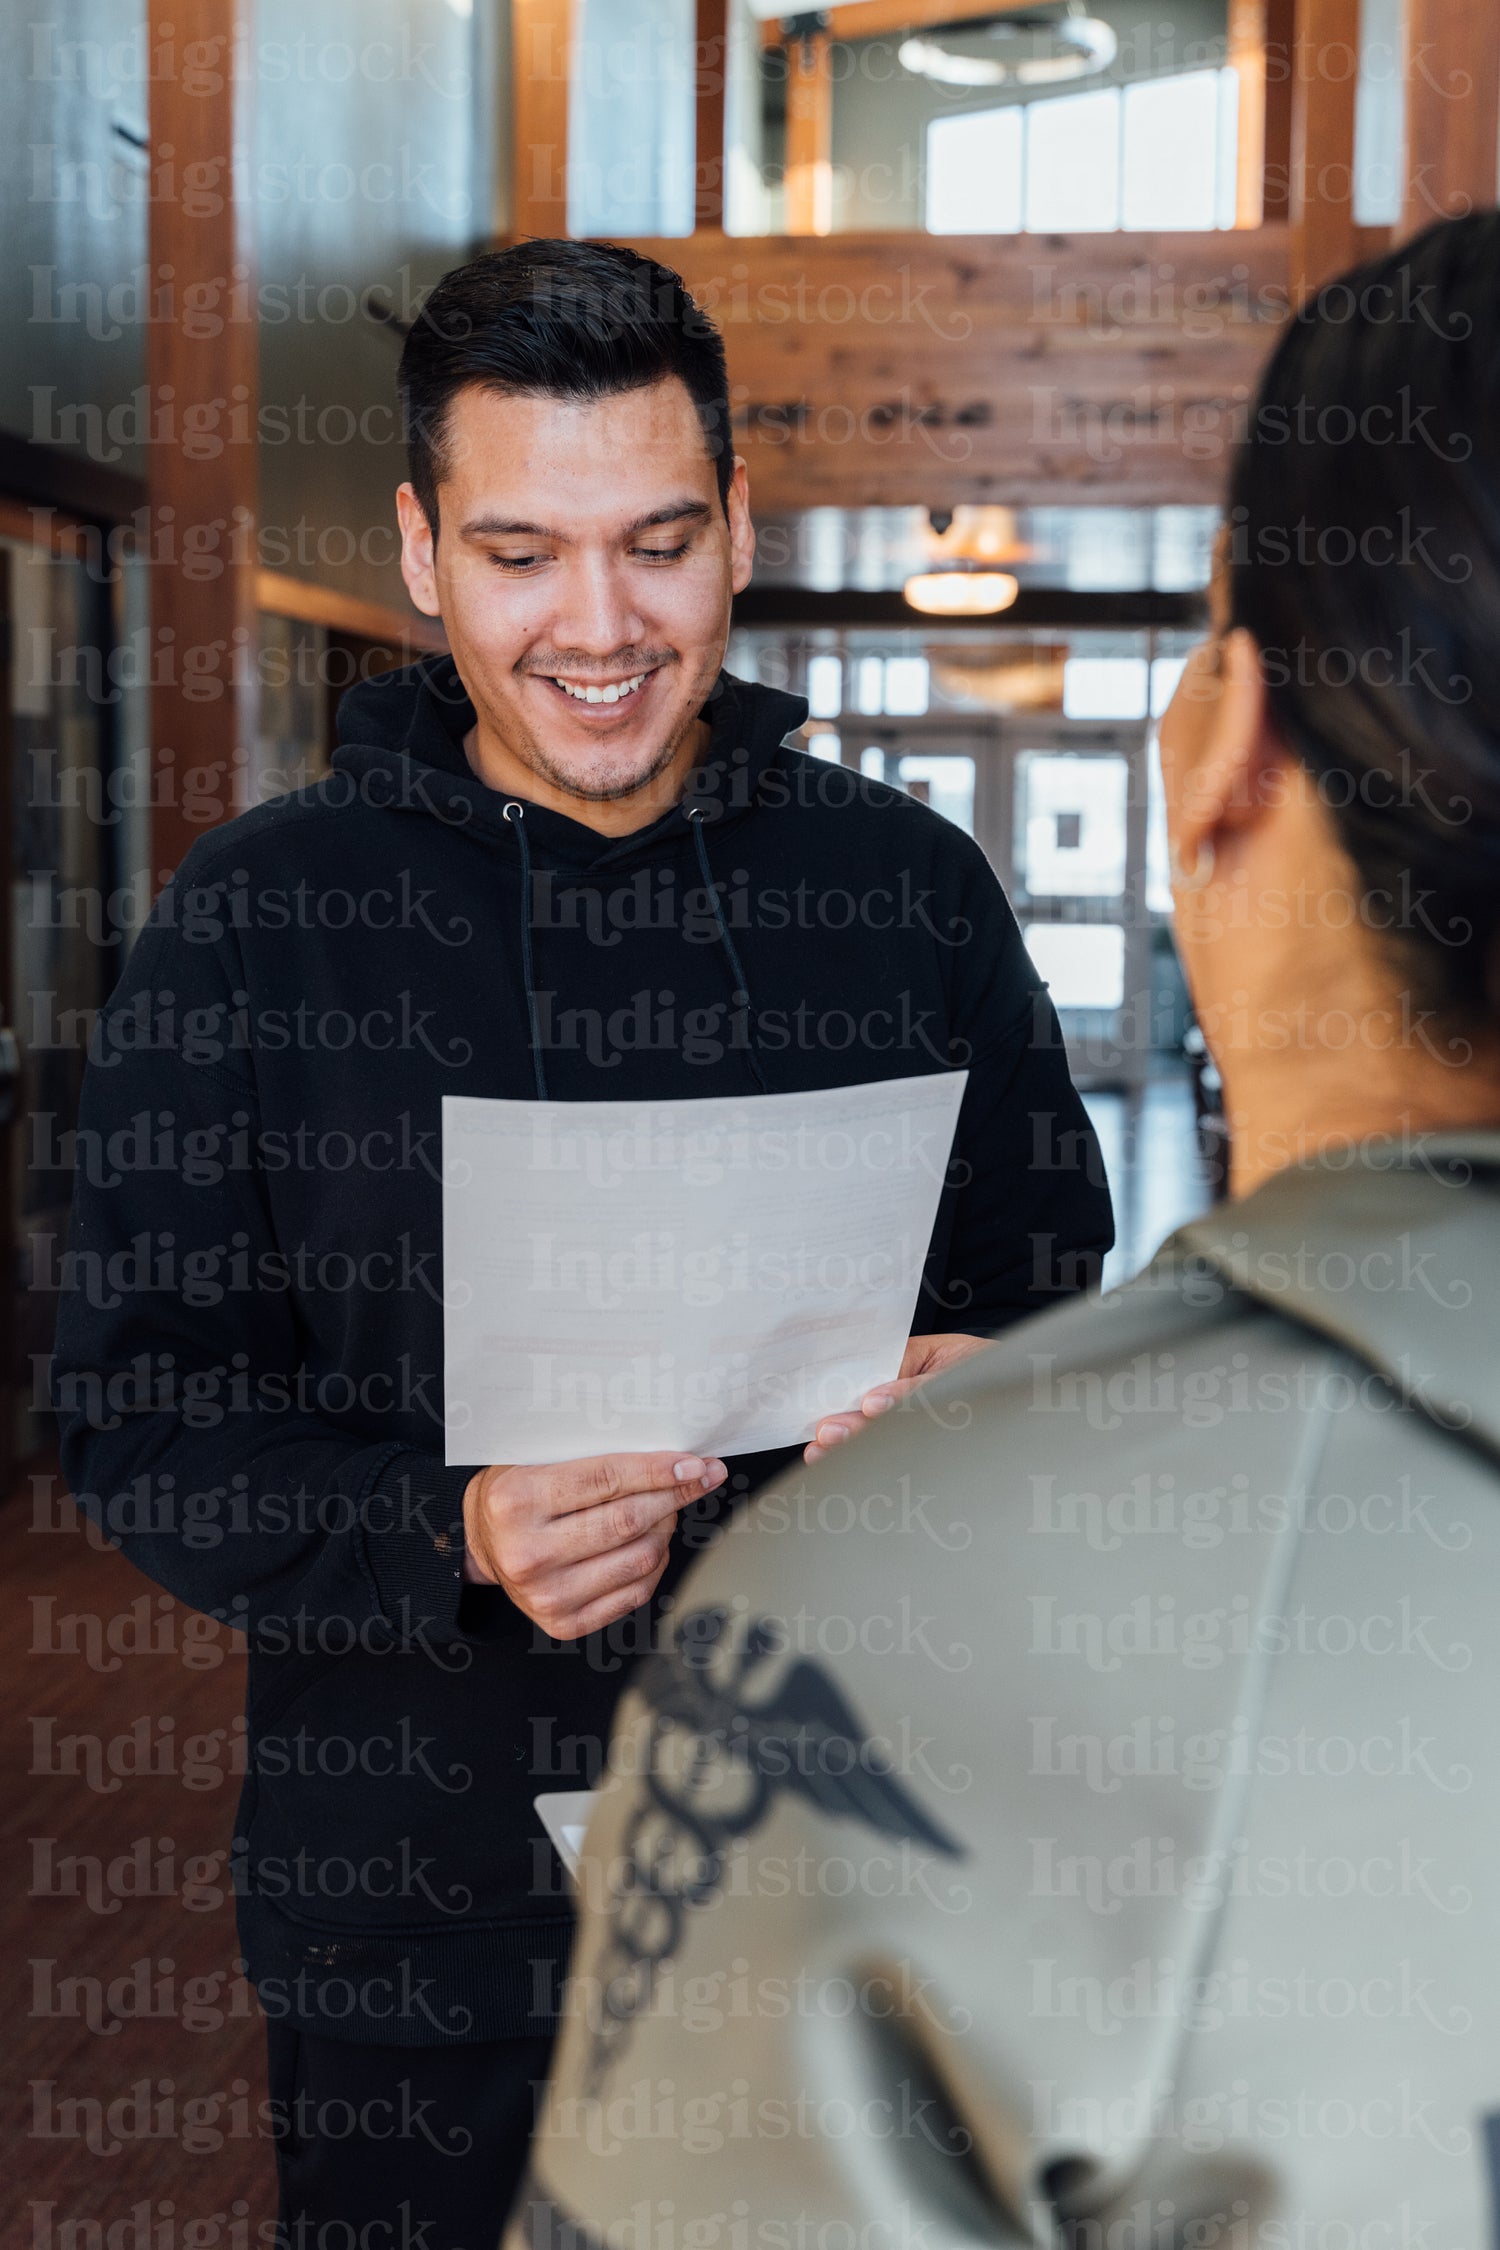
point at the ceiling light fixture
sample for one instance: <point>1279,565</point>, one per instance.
<point>1080,45</point>
<point>960,589</point>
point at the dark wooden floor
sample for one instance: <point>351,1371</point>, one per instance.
<point>135,2045</point>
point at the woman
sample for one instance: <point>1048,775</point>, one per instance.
<point>1110,1842</point>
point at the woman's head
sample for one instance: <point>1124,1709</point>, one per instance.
<point>1332,757</point>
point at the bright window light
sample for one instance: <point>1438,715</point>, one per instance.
<point>946,783</point>
<point>1073,833</point>
<point>1158,153</point>
<point>1227,152</point>
<point>974,172</point>
<point>1170,150</point>
<point>825,686</point>
<point>1104,687</point>
<point>869,686</point>
<point>907,686</point>
<point>1073,163</point>
<point>1082,962</point>
<point>1158,864</point>
<point>872,764</point>
<point>1166,671</point>
<point>824,746</point>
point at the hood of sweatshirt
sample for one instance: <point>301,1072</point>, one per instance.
<point>405,730</point>
<point>403,733</point>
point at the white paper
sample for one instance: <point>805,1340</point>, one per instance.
<point>565,1814</point>
<point>713,1276</point>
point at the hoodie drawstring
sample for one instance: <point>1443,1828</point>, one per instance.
<point>693,815</point>
<point>515,820</point>
<point>518,824</point>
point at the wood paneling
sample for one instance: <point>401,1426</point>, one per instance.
<point>343,613</point>
<point>711,26</point>
<point>1452,108</point>
<point>1324,238</point>
<point>203,390</point>
<point>809,135</point>
<point>541,41</point>
<point>886,370</point>
<point>1260,51</point>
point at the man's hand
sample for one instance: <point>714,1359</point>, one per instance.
<point>924,1356</point>
<point>577,1544</point>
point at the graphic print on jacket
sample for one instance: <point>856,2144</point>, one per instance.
<point>722,1747</point>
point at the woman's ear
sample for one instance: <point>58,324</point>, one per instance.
<point>1226,789</point>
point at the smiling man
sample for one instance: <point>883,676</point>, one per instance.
<point>574,860</point>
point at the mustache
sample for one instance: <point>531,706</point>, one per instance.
<point>564,664</point>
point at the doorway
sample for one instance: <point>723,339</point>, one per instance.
<point>1061,809</point>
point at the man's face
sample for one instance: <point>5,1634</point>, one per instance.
<point>583,571</point>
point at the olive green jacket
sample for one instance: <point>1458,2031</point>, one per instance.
<point>1078,1799</point>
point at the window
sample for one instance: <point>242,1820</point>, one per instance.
<point>1104,687</point>
<point>974,173</point>
<point>825,686</point>
<point>1082,962</point>
<point>1159,152</point>
<point>1072,824</point>
<point>946,782</point>
<point>1175,141</point>
<point>906,686</point>
<point>1073,164</point>
<point>880,686</point>
<point>1158,856</point>
<point>825,746</point>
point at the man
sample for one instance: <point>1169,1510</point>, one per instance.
<point>575,861</point>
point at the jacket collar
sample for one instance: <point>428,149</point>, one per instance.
<point>1390,1248</point>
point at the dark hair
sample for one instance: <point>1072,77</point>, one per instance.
<point>575,320</point>
<point>1364,551</point>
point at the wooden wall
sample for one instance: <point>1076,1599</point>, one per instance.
<point>883,370</point>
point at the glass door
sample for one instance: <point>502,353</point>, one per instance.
<point>1076,873</point>
<point>951,764</point>
<point>1060,808</point>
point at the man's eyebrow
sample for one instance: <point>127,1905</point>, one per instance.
<point>680,511</point>
<point>508,527</point>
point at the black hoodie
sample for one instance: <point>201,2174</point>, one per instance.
<point>249,1358</point>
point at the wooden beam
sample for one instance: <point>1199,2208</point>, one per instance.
<point>1042,609</point>
<point>712,60</point>
<point>1324,238</point>
<point>809,135</point>
<point>201,376</point>
<point>541,53</point>
<point>886,370</point>
<point>1260,52</point>
<point>1247,59</point>
<point>280,596</point>
<point>1281,60</point>
<point>1452,78</point>
<point>879,19</point>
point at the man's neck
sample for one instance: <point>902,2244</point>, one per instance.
<point>499,768</point>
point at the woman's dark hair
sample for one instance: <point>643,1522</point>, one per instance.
<point>575,320</point>
<point>1364,558</point>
